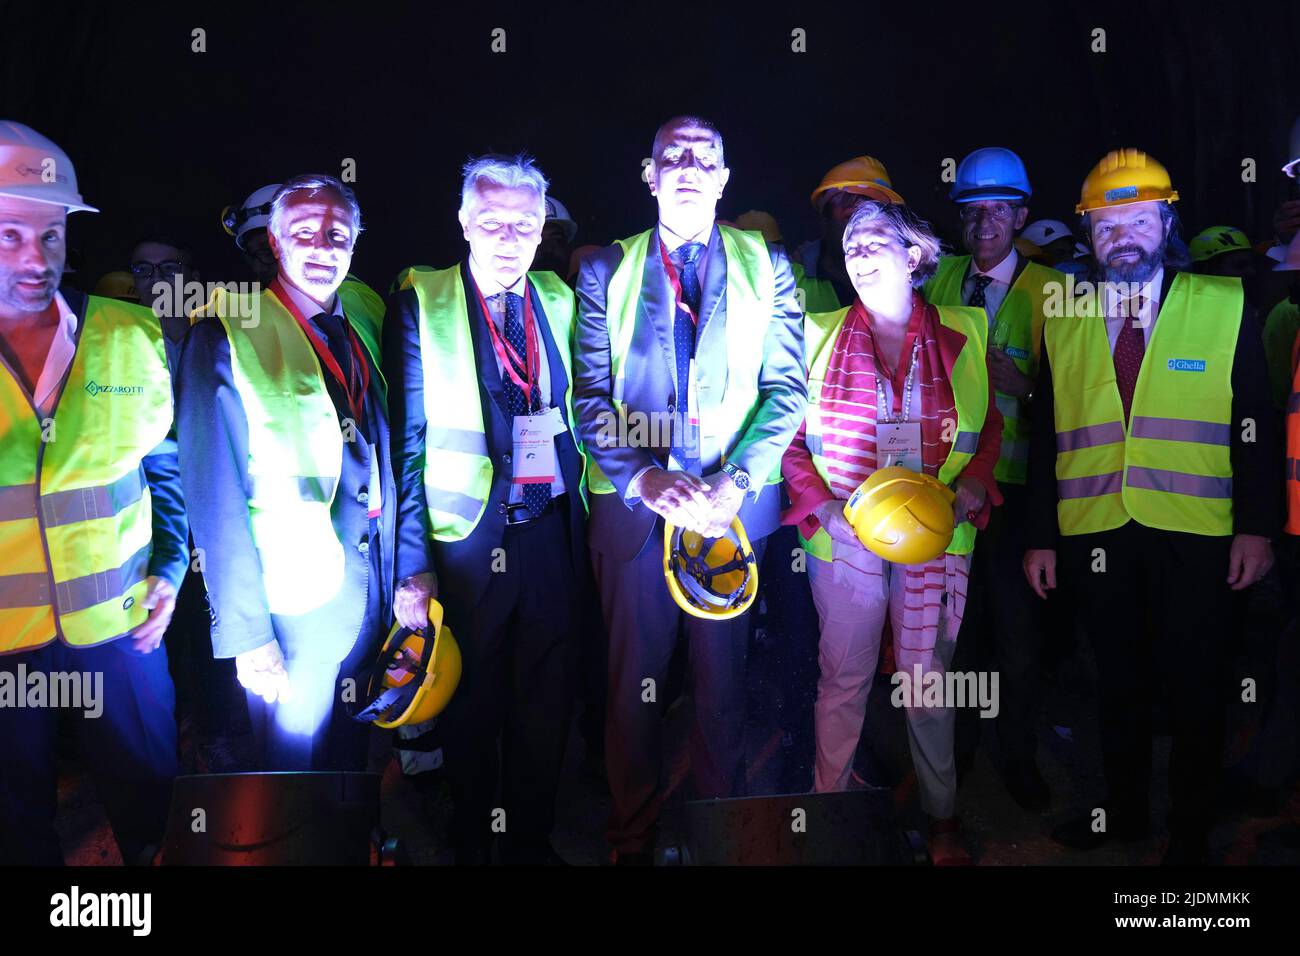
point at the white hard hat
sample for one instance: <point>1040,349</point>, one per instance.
<point>1292,168</point>
<point>255,213</point>
<point>1045,231</point>
<point>33,167</point>
<point>557,212</point>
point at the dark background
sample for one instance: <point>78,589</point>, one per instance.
<point>162,134</point>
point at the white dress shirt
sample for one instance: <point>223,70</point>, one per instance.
<point>1111,298</point>
<point>63,348</point>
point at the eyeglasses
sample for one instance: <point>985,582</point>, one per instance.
<point>999,213</point>
<point>169,269</point>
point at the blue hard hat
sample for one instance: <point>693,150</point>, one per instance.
<point>990,173</point>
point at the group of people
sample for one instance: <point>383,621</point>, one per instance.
<point>328,463</point>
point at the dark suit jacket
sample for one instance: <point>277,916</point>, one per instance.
<point>620,527</point>
<point>213,431</point>
<point>463,567</point>
<point>1256,465</point>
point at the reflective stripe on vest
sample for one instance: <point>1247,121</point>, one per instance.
<point>457,467</point>
<point>76,524</point>
<point>295,451</point>
<point>1170,468</point>
<point>818,295</point>
<point>1018,330</point>
<point>751,289</point>
<point>970,388</point>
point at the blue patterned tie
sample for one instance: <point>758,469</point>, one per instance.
<point>685,443</point>
<point>536,496</point>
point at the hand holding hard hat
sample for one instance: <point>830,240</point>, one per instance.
<point>901,516</point>
<point>711,578</point>
<point>417,672</point>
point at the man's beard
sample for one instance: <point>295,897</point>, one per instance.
<point>12,298</point>
<point>1140,269</point>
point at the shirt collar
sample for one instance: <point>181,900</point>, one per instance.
<point>306,306</point>
<point>1151,290</point>
<point>672,241</point>
<point>1003,272</point>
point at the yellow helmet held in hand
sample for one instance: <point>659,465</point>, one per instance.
<point>1125,176</point>
<point>415,676</point>
<point>902,516</point>
<point>712,578</point>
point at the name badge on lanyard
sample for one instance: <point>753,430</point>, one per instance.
<point>898,440</point>
<point>534,447</point>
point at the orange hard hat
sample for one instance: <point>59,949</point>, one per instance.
<point>863,175</point>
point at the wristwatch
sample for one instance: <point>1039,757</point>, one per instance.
<point>738,475</point>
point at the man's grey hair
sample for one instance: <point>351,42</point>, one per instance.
<point>314,183</point>
<point>507,172</point>
<point>909,228</point>
<point>688,122</point>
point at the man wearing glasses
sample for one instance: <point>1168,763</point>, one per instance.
<point>991,191</point>
<point>159,259</point>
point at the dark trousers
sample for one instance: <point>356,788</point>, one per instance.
<point>1002,631</point>
<point>206,688</point>
<point>519,649</point>
<point>130,747</point>
<point>314,730</point>
<point>1160,618</point>
<point>644,624</point>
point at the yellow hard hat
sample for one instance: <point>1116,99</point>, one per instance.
<point>117,285</point>
<point>902,516</point>
<point>414,678</point>
<point>713,578</point>
<point>1125,176</point>
<point>863,175</point>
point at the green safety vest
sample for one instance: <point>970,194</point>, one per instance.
<point>751,288</point>
<point>457,467</point>
<point>295,446</point>
<point>1017,330</point>
<point>818,294</point>
<point>76,522</point>
<point>1169,468</point>
<point>970,389</point>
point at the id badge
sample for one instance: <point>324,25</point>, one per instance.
<point>899,443</point>
<point>692,397</point>
<point>534,451</point>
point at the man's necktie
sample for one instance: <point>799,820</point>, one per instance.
<point>337,339</point>
<point>1130,346</point>
<point>977,297</point>
<point>536,496</point>
<point>685,445</point>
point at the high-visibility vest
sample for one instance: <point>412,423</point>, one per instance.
<point>76,522</point>
<point>1017,330</point>
<point>818,294</point>
<point>1293,445</point>
<point>295,448</point>
<point>970,389</point>
<point>457,466</point>
<point>751,289</point>
<point>1170,466</point>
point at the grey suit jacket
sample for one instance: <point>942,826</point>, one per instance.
<point>619,526</point>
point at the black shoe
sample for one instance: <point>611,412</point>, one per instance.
<point>1077,833</point>
<point>632,858</point>
<point>1027,786</point>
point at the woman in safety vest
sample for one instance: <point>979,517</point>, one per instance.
<point>893,381</point>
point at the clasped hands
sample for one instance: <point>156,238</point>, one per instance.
<point>704,505</point>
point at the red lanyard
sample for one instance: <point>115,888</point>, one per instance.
<point>676,282</point>
<point>359,381</point>
<point>506,354</point>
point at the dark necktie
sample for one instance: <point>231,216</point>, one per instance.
<point>685,444</point>
<point>536,496</point>
<point>977,297</point>
<point>1130,346</point>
